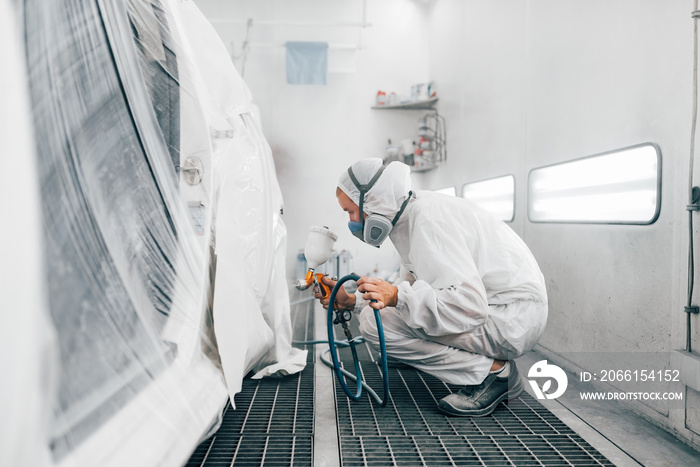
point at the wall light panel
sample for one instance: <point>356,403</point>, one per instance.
<point>496,195</point>
<point>450,191</point>
<point>616,187</point>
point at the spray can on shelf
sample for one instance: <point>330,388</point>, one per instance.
<point>381,98</point>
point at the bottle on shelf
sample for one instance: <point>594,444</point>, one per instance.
<point>381,98</point>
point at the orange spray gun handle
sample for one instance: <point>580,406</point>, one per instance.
<point>317,280</point>
<point>323,288</point>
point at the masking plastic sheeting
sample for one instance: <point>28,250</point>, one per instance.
<point>26,334</point>
<point>251,301</point>
<point>149,162</point>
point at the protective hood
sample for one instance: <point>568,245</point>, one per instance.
<point>387,194</point>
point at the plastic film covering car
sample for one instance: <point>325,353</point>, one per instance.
<point>251,297</point>
<point>160,243</point>
<point>27,342</point>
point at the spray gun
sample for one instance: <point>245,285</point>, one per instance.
<point>318,249</point>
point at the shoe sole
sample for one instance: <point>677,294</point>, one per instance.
<point>514,392</point>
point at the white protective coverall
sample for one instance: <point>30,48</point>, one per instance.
<point>470,290</point>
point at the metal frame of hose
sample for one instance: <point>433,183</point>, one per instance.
<point>343,318</point>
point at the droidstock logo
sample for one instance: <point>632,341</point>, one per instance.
<point>542,370</point>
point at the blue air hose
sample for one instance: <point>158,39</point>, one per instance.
<point>339,372</point>
<point>329,363</point>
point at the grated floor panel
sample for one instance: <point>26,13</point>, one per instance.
<point>273,425</point>
<point>273,420</point>
<point>411,431</point>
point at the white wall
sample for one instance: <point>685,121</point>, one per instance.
<point>316,132</point>
<point>531,83</point>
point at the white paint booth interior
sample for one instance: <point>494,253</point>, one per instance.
<point>522,84</point>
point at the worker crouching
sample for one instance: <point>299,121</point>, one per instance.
<point>470,297</point>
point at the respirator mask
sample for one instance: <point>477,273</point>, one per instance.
<point>373,229</point>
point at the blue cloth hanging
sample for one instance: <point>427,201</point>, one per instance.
<point>307,62</point>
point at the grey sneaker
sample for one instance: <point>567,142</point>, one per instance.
<point>481,399</point>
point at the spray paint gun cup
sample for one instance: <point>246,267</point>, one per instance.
<point>319,246</point>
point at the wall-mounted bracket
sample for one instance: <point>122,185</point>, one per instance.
<point>695,200</point>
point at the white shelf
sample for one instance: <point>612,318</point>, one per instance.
<point>418,105</point>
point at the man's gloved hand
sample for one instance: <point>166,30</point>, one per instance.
<point>373,288</point>
<point>343,300</point>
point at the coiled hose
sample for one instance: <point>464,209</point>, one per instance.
<point>341,373</point>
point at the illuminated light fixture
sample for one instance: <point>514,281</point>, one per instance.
<point>450,191</point>
<point>616,187</point>
<point>496,195</point>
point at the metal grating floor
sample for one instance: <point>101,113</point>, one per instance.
<point>411,431</point>
<point>273,425</point>
<point>273,420</point>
